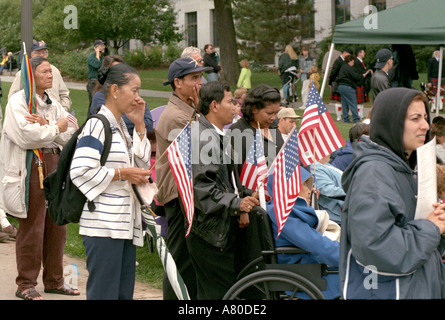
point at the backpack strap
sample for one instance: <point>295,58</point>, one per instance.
<point>107,142</point>
<point>107,147</point>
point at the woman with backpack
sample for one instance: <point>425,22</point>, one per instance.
<point>112,230</point>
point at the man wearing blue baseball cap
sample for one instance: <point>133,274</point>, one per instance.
<point>184,76</point>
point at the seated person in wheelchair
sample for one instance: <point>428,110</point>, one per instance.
<point>310,231</point>
<point>328,181</point>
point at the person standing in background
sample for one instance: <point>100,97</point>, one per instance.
<point>39,241</point>
<point>244,77</point>
<point>211,60</point>
<point>94,62</point>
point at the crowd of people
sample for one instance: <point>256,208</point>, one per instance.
<point>376,172</point>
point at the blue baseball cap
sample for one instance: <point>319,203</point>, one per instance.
<point>183,66</point>
<point>39,45</point>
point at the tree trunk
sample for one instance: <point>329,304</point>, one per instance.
<point>227,41</point>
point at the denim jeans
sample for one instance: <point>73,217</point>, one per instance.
<point>111,265</point>
<point>348,102</point>
<point>212,76</point>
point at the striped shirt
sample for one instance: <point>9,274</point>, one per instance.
<point>117,213</point>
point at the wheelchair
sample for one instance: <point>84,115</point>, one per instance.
<point>265,279</point>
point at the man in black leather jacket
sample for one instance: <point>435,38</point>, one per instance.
<point>220,207</point>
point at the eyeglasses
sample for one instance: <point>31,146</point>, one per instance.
<point>234,102</point>
<point>200,60</point>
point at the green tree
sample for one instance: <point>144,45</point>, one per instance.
<point>267,26</point>
<point>152,21</point>
<point>10,26</point>
<point>227,41</point>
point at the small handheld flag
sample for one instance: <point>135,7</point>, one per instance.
<point>179,155</point>
<point>318,134</point>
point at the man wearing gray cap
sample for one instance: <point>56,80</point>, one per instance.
<point>184,76</point>
<point>380,78</point>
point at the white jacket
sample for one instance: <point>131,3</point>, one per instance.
<point>117,212</point>
<point>18,136</point>
<point>59,90</point>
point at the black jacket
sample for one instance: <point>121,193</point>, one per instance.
<point>348,76</point>
<point>210,61</point>
<point>433,69</point>
<point>338,63</point>
<point>216,204</point>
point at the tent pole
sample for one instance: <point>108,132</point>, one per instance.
<point>439,84</point>
<point>328,70</point>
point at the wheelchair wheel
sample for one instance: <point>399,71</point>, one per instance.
<point>272,285</point>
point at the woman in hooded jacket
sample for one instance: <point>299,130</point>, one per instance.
<point>385,253</point>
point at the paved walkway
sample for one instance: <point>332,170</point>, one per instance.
<point>8,273</point>
<point>161,94</point>
<point>82,86</point>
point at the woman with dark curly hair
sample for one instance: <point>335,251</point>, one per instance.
<point>260,108</point>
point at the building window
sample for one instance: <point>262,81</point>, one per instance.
<point>191,19</point>
<point>379,4</point>
<point>342,11</point>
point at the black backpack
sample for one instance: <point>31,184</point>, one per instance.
<point>64,200</point>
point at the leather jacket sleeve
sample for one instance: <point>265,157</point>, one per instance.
<point>213,191</point>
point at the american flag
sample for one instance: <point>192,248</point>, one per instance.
<point>286,180</point>
<point>73,120</point>
<point>254,167</point>
<point>180,160</point>
<point>318,135</point>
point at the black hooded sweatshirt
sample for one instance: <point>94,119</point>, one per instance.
<point>388,121</point>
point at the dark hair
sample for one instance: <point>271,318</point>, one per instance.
<point>259,97</point>
<point>356,131</point>
<point>211,91</point>
<point>207,46</point>
<point>349,58</point>
<point>120,74</point>
<point>172,84</point>
<point>108,61</point>
<point>36,61</point>
<point>438,130</point>
<point>358,50</point>
<point>438,119</point>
